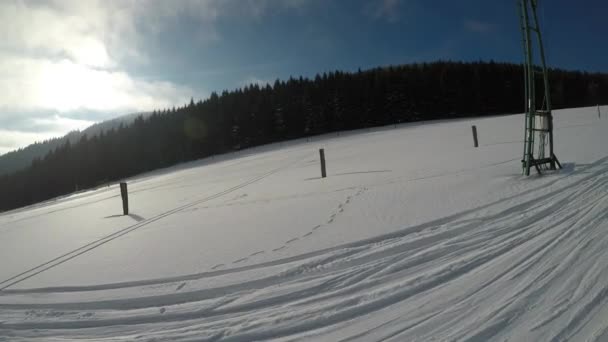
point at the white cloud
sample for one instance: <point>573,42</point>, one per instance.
<point>70,54</point>
<point>66,55</point>
<point>54,126</point>
<point>12,140</point>
<point>59,125</point>
<point>28,84</point>
<point>61,29</point>
<point>59,56</point>
<point>384,9</point>
<point>477,26</point>
<point>258,8</point>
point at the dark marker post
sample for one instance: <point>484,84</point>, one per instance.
<point>125,198</point>
<point>474,128</point>
<point>322,155</point>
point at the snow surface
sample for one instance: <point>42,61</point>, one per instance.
<point>414,236</point>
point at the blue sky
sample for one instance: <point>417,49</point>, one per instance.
<point>65,64</point>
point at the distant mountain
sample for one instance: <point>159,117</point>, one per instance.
<point>104,126</point>
<point>23,157</point>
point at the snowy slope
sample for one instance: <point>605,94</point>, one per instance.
<point>415,235</point>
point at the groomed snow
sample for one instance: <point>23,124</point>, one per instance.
<point>414,236</point>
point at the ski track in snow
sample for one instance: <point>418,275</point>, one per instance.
<point>141,223</point>
<point>484,274</point>
<point>525,266</point>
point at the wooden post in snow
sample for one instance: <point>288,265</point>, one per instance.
<point>322,155</point>
<point>125,198</point>
<point>475,142</point>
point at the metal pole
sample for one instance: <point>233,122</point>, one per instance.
<point>524,68</point>
<point>529,70</point>
<point>547,89</point>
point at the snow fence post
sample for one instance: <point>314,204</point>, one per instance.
<point>474,128</point>
<point>599,113</point>
<point>322,155</point>
<point>125,198</point>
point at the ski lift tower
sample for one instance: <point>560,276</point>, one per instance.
<point>538,143</point>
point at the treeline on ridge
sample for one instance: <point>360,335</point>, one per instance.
<point>298,107</point>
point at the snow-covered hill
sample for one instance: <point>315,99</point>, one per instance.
<point>22,158</point>
<point>414,236</point>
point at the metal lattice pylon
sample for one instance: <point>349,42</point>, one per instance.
<point>539,119</point>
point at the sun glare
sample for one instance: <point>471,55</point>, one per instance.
<point>68,86</point>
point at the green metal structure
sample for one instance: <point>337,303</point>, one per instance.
<point>538,142</point>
